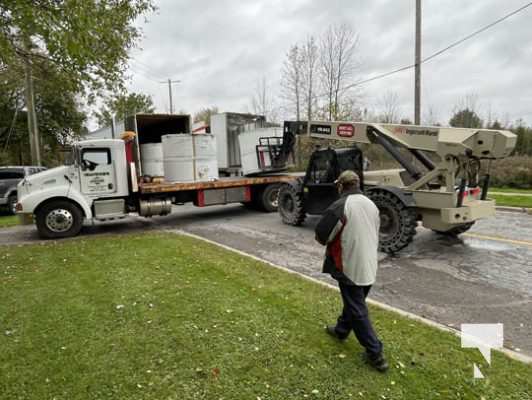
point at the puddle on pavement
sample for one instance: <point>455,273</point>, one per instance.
<point>483,244</point>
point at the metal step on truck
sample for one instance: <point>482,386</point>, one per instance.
<point>157,164</point>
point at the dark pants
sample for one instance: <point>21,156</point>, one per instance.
<point>355,317</point>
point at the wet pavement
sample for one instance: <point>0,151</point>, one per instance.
<point>485,276</point>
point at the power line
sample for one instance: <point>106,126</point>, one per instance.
<point>146,69</point>
<point>439,52</point>
<point>143,74</point>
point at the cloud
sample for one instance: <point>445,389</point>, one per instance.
<point>220,49</point>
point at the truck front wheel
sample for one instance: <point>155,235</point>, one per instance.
<point>59,219</point>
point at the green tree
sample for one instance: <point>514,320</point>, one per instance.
<point>495,125</point>
<point>122,105</point>
<point>58,112</point>
<point>88,40</point>
<point>466,118</point>
<point>524,138</point>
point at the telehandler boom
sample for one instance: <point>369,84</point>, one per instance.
<point>443,188</point>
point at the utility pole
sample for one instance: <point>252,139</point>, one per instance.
<point>417,84</point>
<point>170,82</point>
<point>33,128</point>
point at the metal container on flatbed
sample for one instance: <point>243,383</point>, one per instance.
<point>189,158</point>
<point>151,155</point>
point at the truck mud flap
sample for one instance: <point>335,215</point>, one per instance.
<point>210,197</point>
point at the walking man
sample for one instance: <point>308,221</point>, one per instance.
<point>350,230</point>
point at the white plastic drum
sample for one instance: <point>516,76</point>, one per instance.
<point>189,158</point>
<point>151,155</point>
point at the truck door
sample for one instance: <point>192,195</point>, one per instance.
<point>98,176</point>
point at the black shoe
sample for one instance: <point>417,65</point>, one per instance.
<point>331,330</point>
<point>378,362</point>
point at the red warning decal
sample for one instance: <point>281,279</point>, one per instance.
<point>345,130</point>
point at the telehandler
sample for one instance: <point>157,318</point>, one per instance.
<point>444,191</point>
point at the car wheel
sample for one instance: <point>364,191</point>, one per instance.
<point>12,204</point>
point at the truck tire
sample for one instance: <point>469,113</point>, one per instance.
<point>457,230</point>
<point>398,221</point>
<point>291,208</point>
<point>12,204</point>
<point>269,197</point>
<point>59,219</point>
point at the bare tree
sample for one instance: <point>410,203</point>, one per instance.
<point>205,113</point>
<point>309,59</point>
<point>337,64</point>
<point>431,116</point>
<point>389,105</point>
<point>292,80</point>
<point>261,102</point>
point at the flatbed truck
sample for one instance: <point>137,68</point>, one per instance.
<point>102,183</point>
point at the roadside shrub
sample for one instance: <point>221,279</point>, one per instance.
<point>514,172</point>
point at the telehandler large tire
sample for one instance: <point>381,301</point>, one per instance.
<point>291,207</point>
<point>398,221</point>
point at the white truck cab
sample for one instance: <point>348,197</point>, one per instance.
<point>94,184</point>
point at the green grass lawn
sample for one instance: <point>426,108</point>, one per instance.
<point>7,221</point>
<point>510,190</point>
<point>512,201</point>
<point>160,316</point>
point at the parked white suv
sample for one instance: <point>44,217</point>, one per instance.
<point>9,178</point>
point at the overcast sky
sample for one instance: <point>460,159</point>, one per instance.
<point>219,49</point>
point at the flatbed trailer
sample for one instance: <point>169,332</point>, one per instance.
<point>222,183</point>
<point>258,192</point>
